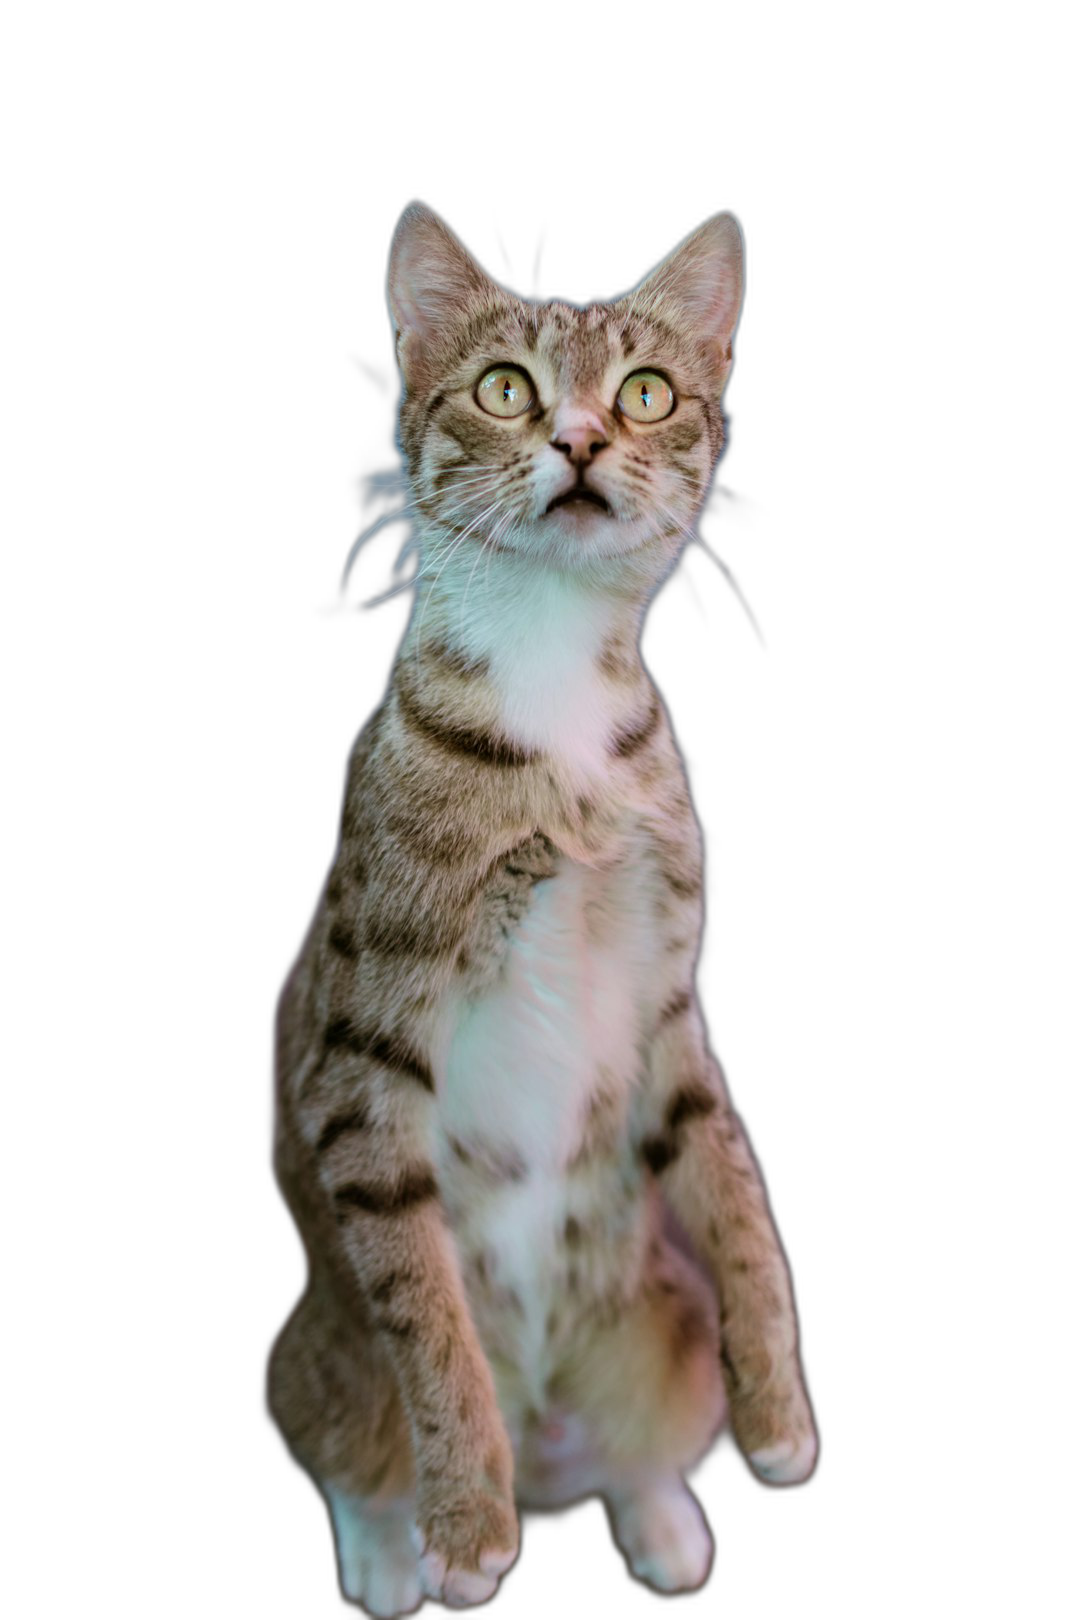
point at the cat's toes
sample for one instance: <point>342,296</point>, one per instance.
<point>788,1462</point>
<point>662,1530</point>
<point>385,1589</point>
<point>387,1593</point>
<point>460,1588</point>
<point>457,1588</point>
<point>377,1563</point>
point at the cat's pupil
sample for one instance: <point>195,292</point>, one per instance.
<point>646,397</point>
<point>508,390</point>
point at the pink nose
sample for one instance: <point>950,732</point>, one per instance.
<point>579,437</point>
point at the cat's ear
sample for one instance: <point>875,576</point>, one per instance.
<point>431,278</point>
<point>698,288</point>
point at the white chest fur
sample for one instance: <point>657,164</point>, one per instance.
<point>524,1061</point>
<point>541,632</point>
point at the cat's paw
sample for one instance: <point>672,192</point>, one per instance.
<point>660,1527</point>
<point>778,1438</point>
<point>787,1462</point>
<point>466,1548</point>
<point>385,1587</point>
<point>377,1560</point>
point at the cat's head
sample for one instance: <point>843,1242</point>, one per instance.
<point>562,433</point>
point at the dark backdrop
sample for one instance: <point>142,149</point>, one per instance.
<point>787,739</point>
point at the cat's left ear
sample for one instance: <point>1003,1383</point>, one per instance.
<point>698,288</point>
<point>432,278</point>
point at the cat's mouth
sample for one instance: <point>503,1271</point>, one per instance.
<point>578,492</point>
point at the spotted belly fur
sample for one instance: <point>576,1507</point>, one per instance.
<point>544,1192</point>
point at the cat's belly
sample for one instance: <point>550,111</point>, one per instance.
<point>542,1227</point>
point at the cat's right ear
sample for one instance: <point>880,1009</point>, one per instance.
<point>431,277</point>
<point>698,289</point>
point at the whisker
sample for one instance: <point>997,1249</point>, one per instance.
<point>395,590</point>
<point>429,592</point>
<point>384,481</point>
<point>420,573</point>
<point>488,540</point>
<point>696,485</point>
<point>410,544</point>
<point>402,514</point>
<point>393,481</point>
<point>733,584</point>
<point>490,545</point>
<point>475,494</point>
<point>460,481</point>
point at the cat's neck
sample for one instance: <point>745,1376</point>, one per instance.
<point>560,649</point>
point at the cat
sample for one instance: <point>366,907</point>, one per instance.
<point>541,1259</point>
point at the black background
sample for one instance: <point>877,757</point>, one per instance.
<point>789,742</point>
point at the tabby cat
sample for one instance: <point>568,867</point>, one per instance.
<point>540,1251</point>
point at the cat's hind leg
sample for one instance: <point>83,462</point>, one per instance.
<point>335,1400</point>
<point>376,1552</point>
<point>657,1521</point>
<point>647,1386</point>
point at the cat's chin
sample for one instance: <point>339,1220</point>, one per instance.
<point>579,537</point>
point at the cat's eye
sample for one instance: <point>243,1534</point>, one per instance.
<point>645,396</point>
<point>504,391</point>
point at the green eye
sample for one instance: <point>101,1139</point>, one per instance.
<point>504,391</point>
<point>645,396</point>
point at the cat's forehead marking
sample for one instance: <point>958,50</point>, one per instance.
<point>571,351</point>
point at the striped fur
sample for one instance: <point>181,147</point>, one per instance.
<point>494,1090</point>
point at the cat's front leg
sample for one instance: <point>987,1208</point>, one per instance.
<point>697,1147</point>
<point>467,1522</point>
<point>366,1117</point>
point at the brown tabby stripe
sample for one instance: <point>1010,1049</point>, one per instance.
<point>685,888</point>
<point>486,747</point>
<point>625,743</point>
<point>391,1284</point>
<point>423,839</point>
<point>342,940</point>
<point>614,661</point>
<point>403,1329</point>
<point>685,436</point>
<point>690,1102</point>
<point>357,1119</point>
<point>675,1008</point>
<point>393,1051</point>
<point>419,1188</point>
<point>415,938</point>
<point>454,659</point>
<point>658,1153</point>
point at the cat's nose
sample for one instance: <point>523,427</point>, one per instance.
<point>580,437</point>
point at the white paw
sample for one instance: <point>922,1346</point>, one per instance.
<point>385,1588</point>
<point>376,1559</point>
<point>663,1533</point>
<point>787,1463</point>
